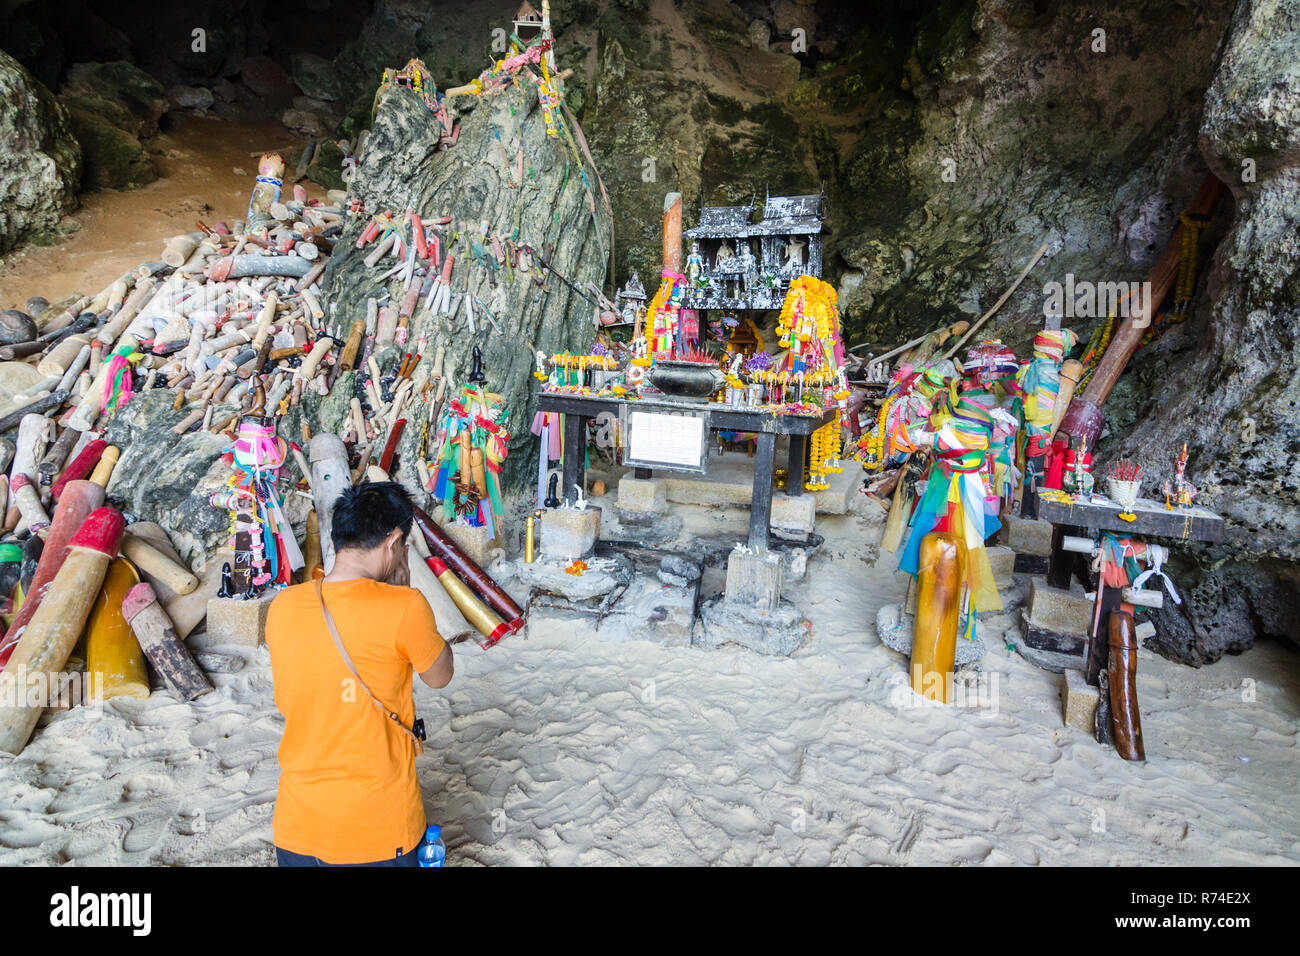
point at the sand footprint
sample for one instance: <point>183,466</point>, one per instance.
<point>148,827</point>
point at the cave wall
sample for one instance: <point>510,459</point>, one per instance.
<point>401,167</point>
<point>1232,391</point>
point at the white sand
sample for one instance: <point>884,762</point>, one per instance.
<point>595,751</point>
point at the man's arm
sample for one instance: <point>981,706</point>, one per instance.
<point>439,675</point>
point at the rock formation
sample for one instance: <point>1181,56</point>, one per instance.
<point>40,168</point>
<point>402,168</point>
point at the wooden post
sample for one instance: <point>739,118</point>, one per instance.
<point>575,448</point>
<point>311,552</point>
<point>1084,418</point>
<point>80,498</point>
<point>760,511</point>
<point>484,619</point>
<point>166,652</point>
<point>114,662</point>
<point>938,609</point>
<point>330,477</point>
<point>1126,722</point>
<point>673,232</point>
<point>794,465</point>
<point>451,622</point>
<point>53,630</point>
<point>154,563</point>
<point>450,553</point>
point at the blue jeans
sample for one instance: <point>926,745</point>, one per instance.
<point>286,858</point>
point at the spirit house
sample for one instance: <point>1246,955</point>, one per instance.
<point>735,263</point>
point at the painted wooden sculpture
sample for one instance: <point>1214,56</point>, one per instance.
<point>47,641</point>
<point>158,640</point>
<point>115,664</point>
<point>938,609</point>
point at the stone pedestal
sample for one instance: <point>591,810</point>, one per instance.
<point>642,496</point>
<point>1003,562</point>
<point>896,628</point>
<point>1053,609</point>
<point>779,631</point>
<point>754,581</point>
<point>236,621</point>
<point>569,534</point>
<point>1026,535</point>
<point>1054,626</point>
<point>611,600</point>
<point>1078,702</point>
<point>794,515</point>
<point>478,543</point>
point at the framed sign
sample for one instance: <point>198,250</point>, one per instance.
<point>672,441</point>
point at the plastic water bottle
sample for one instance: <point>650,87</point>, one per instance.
<point>432,851</point>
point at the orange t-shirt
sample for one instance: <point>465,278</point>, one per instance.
<point>348,790</point>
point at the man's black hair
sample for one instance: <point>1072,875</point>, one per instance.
<point>367,514</point>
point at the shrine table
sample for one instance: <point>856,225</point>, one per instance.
<point>1082,516</point>
<point>578,409</point>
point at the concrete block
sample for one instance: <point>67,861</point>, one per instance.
<point>1051,609</point>
<point>236,621</point>
<point>794,514</point>
<point>1003,561</point>
<point>754,580</point>
<point>477,542</point>
<point>569,534</point>
<point>1078,702</point>
<point>795,567</point>
<point>730,483</point>
<point>642,495</point>
<point>779,631</point>
<point>1026,535</point>
<point>610,601</point>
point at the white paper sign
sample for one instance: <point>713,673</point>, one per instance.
<point>668,439</point>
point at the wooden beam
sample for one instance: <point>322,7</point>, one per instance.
<point>1084,419</point>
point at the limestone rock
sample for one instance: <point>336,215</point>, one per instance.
<point>267,80</point>
<point>401,167</point>
<point>167,478</point>
<point>114,158</point>
<point>41,167</point>
<point>120,93</point>
<point>315,76</point>
<point>301,121</point>
<point>197,98</point>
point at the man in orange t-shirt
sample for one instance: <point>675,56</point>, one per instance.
<point>348,792</point>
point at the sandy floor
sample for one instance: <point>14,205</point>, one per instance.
<point>206,173</point>
<point>596,751</point>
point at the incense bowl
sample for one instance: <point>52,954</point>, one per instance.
<point>1125,494</point>
<point>686,380</point>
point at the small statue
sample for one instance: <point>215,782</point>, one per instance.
<point>227,589</point>
<point>1078,479</point>
<point>694,264</point>
<point>552,498</point>
<point>580,503</point>
<point>476,376</point>
<point>1182,491</point>
<point>266,190</point>
<point>748,268</point>
<point>794,256</point>
<point>725,253</point>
